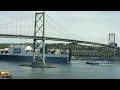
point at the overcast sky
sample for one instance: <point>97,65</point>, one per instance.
<point>87,25</point>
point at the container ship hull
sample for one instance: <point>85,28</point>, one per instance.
<point>30,59</point>
<point>25,54</point>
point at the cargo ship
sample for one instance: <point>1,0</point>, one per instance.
<point>25,53</point>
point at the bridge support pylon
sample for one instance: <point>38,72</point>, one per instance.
<point>39,27</point>
<point>112,45</point>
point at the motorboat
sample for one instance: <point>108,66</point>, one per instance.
<point>92,62</point>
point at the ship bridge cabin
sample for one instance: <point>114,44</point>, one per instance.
<point>4,51</point>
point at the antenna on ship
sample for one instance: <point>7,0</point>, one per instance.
<point>39,26</point>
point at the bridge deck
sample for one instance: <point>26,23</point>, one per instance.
<point>49,38</point>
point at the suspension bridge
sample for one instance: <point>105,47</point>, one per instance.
<point>38,26</point>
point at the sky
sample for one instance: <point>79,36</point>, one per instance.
<point>92,26</point>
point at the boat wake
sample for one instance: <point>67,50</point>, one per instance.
<point>73,62</point>
<point>104,64</point>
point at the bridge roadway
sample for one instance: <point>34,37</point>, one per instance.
<point>49,38</point>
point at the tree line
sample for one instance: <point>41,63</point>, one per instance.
<point>76,49</point>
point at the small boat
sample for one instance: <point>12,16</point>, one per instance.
<point>5,74</point>
<point>92,62</point>
<point>73,58</point>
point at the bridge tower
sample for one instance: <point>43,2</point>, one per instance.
<point>112,44</point>
<point>39,27</point>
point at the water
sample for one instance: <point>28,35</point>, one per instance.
<point>74,70</point>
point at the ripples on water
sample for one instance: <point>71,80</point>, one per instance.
<point>74,70</point>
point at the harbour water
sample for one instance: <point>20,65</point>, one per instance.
<point>75,70</point>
